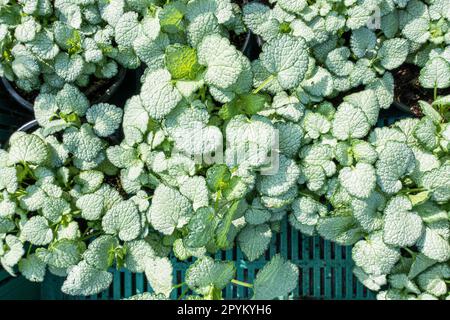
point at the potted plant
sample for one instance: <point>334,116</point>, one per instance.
<point>44,47</point>
<point>215,151</point>
<point>100,213</point>
<point>356,45</point>
<point>422,84</point>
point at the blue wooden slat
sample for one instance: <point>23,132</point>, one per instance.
<point>139,283</point>
<point>240,275</point>
<point>117,285</point>
<point>128,284</point>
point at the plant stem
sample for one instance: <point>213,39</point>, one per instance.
<point>264,84</point>
<point>435,92</point>
<point>176,286</point>
<point>409,191</point>
<point>222,235</point>
<point>203,93</point>
<point>185,291</point>
<point>29,250</point>
<point>241,283</point>
<point>412,253</point>
<point>216,203</point>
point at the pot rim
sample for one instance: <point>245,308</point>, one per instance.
<point>103,98</point>
<point>246,44</point>
<point>28,126</point>
<point>16,96</point>
<point>113,87</point>
<point>402,107</point>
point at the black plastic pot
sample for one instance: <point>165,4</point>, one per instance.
<point>251,45</point>
<point>257,40</point>
<point>113,88</point>
<point>103,98</point>
<point>247,46</point>
<point>403,107</point>
<point>10,118</point>
<point>16,96</point>
<point>29,126</point>
<point>33,125</point>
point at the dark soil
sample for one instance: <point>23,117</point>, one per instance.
<point>98,87</point>
<point>408,90</point>
<point>114,182</point>
<point>238,39</point>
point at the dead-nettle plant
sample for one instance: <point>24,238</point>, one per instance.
<point>79,198</point>
<point>192,138</point>
<point>355,43</point>
<point>45,44</point>
<point>77,201</point>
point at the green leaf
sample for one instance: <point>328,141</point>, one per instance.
<point>233,190</point>
<point>359,181</point>
<point>222,61</point>
<point>426,133</point>
<point>171,17</point>
<point>420,264</point>
<point>28,148</point>
<point>123,220</point>
<point>229,111</point>
<point>85,280</point>
<point>105,118</point>
<point>430,112</point>
<point>433,245</point>
<point>181,61</point>
<point>127,29</point>
<point>196,190</point>
<point>62,254</point>
<point>370,281</point>
<point>252,103</point>
<point>37,231</point>
<point>159,273</point>
<point>402,282</point>
<point>255,240</point>
<point>374,256</point>
<point>170,210</point>
<point>393,53</point>
<point>248,104</point>
<point>217,177</point>
<point>435,74</point>
<point>418,199</point>
<point>69,67</point>
<point>137,252</point>
<point>225,225</point>
<point>402,228</point>
<point>201,228</point>
<point>91,206</point>
<point>350,122</point>
<point>158,95</point>
<point>206,274</point>
<point>341,229</point>
<point>278,278</point>
<point>98,254</point>
<point>286,58</point>
<point>32,268</point>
